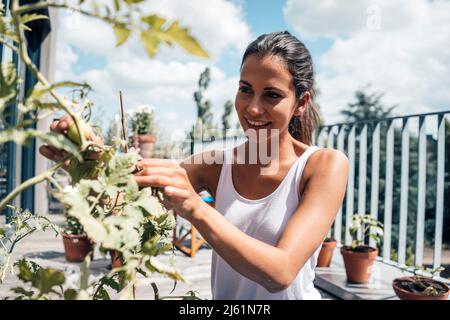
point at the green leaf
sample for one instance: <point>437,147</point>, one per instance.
<point>24,136</point>
<point>184,39</point>
<point>154,264</point>
<point>79,208</point>
<point>154,21</point>
<point>59,141</point>
<point>149,203</point>
<point>174,34</point>
<point>70,294</point>
<point>133,1</point>
<point>132,191</point>
<point>117,5</point>
<point>122,33</point>
<point>26,18</point>
<point>8,84</point>
<point>22,291</point>
<point>25,272</point>
<point>48,278</point>
<point>120,168</point>
<point>150,41</point>
<point>83,170</point>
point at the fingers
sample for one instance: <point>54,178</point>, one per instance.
<point>52,153</point>
<point>176,192</point>
<point>159,181</point>
<point>62,124</point>
<point>159,163</point>
<point>150,171</point>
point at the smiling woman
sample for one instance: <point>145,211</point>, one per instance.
<point>265,229</point>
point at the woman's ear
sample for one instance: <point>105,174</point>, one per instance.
<point>302,104</point>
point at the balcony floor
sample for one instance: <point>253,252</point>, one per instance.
<point>48,251</point>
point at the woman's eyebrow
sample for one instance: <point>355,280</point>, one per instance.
<point>245,82</point>
<point>266,88</point>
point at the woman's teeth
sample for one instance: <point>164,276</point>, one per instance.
<point>257,123</point>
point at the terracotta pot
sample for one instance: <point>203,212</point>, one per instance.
<point>116,259</point>
<point>358,265</point>
<point>404,294</point>
<point>77,247</point>
<point>144,143</point>
<point>326,253</point>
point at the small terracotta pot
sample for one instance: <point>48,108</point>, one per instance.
<point>77,247</point>
<point>404,294</point>
<point>116,259</point>
<point>326,253</point>
<point>358,265</point>
<point>145,143</point>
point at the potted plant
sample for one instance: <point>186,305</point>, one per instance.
<point>419,287</point>
<point>326,252</point>
<point>77,245</point>
<point>143,129</point>
<point>359,257</point>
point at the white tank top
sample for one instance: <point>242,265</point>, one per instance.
<point>263,219</point>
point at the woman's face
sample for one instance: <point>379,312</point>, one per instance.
<point>266,96</point>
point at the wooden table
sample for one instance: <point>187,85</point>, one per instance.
<point>194,243</point>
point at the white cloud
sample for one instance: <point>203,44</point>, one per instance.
<point>217,24</point>
<point>65,59</point>
<point>167,82</point>
<point>405,56</point>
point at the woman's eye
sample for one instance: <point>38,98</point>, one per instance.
<point>244,89</point>
<point>273,95</point>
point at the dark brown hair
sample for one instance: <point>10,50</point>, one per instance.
<point>298,60</point>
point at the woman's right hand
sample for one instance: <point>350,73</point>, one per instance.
<point>61,126</point>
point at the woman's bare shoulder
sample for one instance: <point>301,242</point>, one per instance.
<point>203,169</point>
<point>324,161</point>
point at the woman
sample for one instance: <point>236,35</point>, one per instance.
<point>266,228</point>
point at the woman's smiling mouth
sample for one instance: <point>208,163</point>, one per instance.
<point>257,124</point>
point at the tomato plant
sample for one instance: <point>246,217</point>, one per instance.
<point>138,225</point>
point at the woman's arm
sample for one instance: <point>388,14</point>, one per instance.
<point>274,267</point>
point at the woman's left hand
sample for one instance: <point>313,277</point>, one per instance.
<point>170,176</point>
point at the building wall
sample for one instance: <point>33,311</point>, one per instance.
<point>48,65</point>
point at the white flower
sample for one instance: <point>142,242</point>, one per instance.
<point>145,108</point>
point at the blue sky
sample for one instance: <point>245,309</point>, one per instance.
<point>354,44</point>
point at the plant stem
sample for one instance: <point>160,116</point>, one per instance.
<point>124,134</point>
<point>44,4</point>
<point>23,52</point>
<point>10,46</point>
<point>30,182</point>
<point>55,183</point>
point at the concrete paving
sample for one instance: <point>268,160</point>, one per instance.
<point>48,251</point>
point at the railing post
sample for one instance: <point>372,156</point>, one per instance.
<point>350,184</point>
<point>330,144</point>
<point>338,220</point>
<point>421,192</point>
<point>388,191</point>
<point>375,176</point>
<point>440,175</point>
<point>362,174</point>
<point>404,186</point>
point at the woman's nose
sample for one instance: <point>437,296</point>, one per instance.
<point>255,108</point>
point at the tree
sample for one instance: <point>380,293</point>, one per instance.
<point>226,125</point>
<point>203,106</point>
<point>367,106</point>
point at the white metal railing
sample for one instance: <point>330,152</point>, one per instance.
<point>396,139</point>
